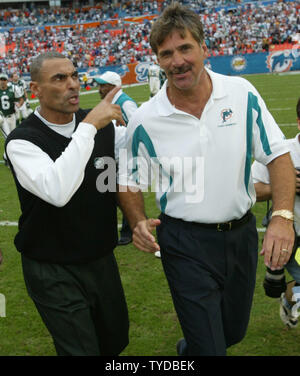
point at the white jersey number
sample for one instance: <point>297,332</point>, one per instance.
<point>5,104</point>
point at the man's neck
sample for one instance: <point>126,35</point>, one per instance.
<point>56,117</point>
<point>193,100</point>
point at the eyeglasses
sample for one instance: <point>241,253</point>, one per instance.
<point>3,79</point>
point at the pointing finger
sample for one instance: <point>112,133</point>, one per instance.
<point>109,97</point>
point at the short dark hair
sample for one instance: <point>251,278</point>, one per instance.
<point>175,17</point>
<point>298,108</point>
<point>38,61</point>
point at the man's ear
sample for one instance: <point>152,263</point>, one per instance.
<point>35,88</point>
<point>298,121</point>
<point>205,49</point>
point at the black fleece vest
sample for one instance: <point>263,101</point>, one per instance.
<point>83,230</point>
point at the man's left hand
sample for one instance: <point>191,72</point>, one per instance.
<point>278,243</point>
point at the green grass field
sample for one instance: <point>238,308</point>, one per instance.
<point>154,328</point>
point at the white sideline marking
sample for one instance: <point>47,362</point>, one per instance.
<point>8,223</point>
<point>287,125</point>
<point>261,229</point>
<point>281,109</point>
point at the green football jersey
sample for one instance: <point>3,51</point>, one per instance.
<point>7,101</point>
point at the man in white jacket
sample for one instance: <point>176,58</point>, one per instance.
<point>274,282</point>
<point>107,82</point>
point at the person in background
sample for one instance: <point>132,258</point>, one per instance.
<point>162,77</point>
<point>107,82</point>
<point>9,100</point>
<point>275,283</point>
<point>68,227</point>
<point>154,78</point>
<point>198,135</point>
<point>20,86</point>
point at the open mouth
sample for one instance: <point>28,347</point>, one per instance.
<point>74,99</point>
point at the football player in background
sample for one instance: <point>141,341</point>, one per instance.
<point>274,283</point>
<point>154,79</point>
<point>9,98</point>
<point>24,110</point>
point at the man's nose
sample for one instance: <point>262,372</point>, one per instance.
<point>73,82</point>
<point>177,59</point>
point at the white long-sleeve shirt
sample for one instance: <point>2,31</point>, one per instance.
<point>55,182</point>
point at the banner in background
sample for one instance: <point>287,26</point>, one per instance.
<point>267,62</point>
<point>130,73</point>
<point>272,62</point>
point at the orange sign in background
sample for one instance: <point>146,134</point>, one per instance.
<point>130,77</point>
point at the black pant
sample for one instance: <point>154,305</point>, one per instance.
<point>211,276</point>
<point>83,306</point>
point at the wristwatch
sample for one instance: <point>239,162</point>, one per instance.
<point>287,214</point>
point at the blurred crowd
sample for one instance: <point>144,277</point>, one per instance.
<point>102,11</point>
<point>60,16</point>
<point>231,27</point>
<point>252,29</point>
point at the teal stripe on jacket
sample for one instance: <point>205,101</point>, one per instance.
<point>120,101</point>
<point>141,136</point>
<point>253,105</point>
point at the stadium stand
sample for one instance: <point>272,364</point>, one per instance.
<point>117,33</point>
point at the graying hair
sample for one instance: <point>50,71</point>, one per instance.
<point>38,61</point>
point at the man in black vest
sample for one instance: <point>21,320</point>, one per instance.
<point>68,229</point>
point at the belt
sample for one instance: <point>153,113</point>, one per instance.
<point>223,226</point>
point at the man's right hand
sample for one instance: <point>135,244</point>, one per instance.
<point>105,112</point>
<point>142,235</point>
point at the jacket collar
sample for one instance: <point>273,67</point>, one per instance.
<point>165,107</point>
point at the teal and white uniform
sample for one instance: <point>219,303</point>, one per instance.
<point>202,167</point>
<point>127,104</point>
<point>128,107</point>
